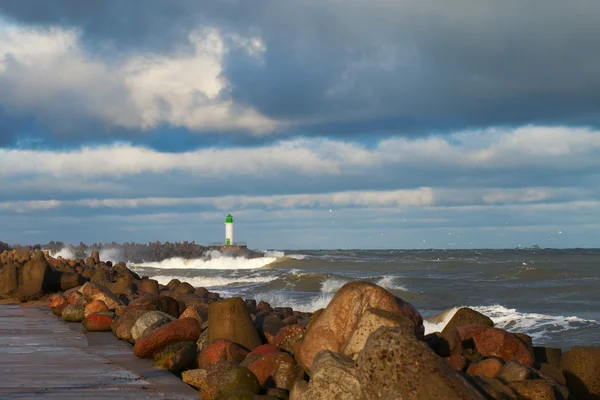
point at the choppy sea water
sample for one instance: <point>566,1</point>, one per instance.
<point>554,296</point>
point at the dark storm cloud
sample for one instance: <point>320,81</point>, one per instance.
<point>7,128</point>
<point>416,65</point>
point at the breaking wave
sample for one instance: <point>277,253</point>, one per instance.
<point>537,326</point>
<point>65,253</point>
<point>208,263</point>
<point>108,254</point>
<point>214,281</point>
<point>389,282</point>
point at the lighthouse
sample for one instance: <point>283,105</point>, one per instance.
<point>228,230</point>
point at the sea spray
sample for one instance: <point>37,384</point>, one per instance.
<point>534,324</point>
<point>66,252</point>
<point>214,281</point>
<point>538,326</point>
<point>106,254</point>
<point>390,283</point>
<point>218,263</point>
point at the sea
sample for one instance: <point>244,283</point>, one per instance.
<point>551,295</point>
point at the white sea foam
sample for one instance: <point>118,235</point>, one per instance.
<point>311,304</point>
<point>307,304</point>
<point>281,254</point>
<point>113,255</point>
<point>535,325</point>
<point>212,254</point>
<point>332,285</point>
<point>274,253</point>
<point>213,281</point>
<point>388,282</point>
<point>65,253</point>
<point>438,326</point>
<point>212,263</point>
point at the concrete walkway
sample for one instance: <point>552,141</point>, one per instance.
<point>42,357</point>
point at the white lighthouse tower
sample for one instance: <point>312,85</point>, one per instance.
<point>228,230</point>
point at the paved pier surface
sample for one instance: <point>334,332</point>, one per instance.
<point>42,357</point>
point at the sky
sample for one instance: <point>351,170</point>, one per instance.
<point>317,124</point>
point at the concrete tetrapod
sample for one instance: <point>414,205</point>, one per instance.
<point>229,319</point>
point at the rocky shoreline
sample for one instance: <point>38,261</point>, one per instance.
<point>366,344</point>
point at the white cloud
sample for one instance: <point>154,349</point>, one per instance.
<point>551,148</point>
<point>49,71</point>
<point>417,197</point>
<point>396,199</point>
<point>122,159</point>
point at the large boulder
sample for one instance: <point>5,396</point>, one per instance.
<point>553,373</point>
<point>195,377</point>
<point>95,256</point>
<point>181,330</point>
<point>34,279</point>
<point>515,371</point>
<point>368,323</point>
<point>98,322</point>
<point>185,288</point>
<point>93,291</point>
<point>229,319</point>
<point>457,362</point>
<point>548,355</point>
<point>148,286</point>
<point>121,269</point>
<point>151,302</point>
<point>268,326</point>
<point>153,327</point>
<point>288,336</point>
<point>201,292</point>
<point>58,309</point>
<point>68,280</point>
<point>537,389</point>
<point>581,368</point>
<point>74,312</point>
<point>336,325</point>
<point>73,295</point>
<point>494,389</point>
<point>21,255</point>
<point>149,318</point>
<point>221,350</point>
<point>101,276</point>
<point>56,300</point>
<point>488,367</point>
<point>334,377</point>
<point>123,325</point>
<point>207,382</point>
<point>202,341</point>
<point>266,367</point>
<point>195,311</point>
<point>394,365</point>
<point>467,316</point>
<point>239,383</point>
<point>447,344</point>
<point>177,357</point>
<point>286,374</point>
<point>9,279</point>
<point>495,342</point>
<point>123,284</point>
<point>95,307</point>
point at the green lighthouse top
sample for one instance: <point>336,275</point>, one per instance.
<point>228,218</point>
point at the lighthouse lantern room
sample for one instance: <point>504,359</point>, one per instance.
<point>229,230</point>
